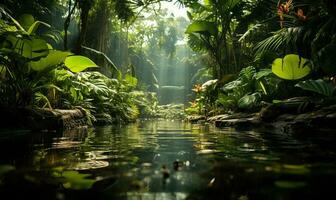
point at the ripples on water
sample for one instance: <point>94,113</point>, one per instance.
<point>175,160</point>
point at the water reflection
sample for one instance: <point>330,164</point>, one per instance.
<point>175,160</point>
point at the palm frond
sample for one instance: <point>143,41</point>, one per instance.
<point>250,32</point>
<point>196,43</point>
<point>39,97</point>
<point>275,42</point>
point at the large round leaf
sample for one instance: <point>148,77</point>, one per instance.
<point>78,63</point>
<point>291,67</point>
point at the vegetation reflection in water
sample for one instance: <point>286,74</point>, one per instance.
<point>175,160</point>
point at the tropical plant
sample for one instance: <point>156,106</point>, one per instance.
<point>235,90</point>
<point>318,86</point>
<point>306,29</point>
<point>291,67</point>
<point>28,62</point>
<point>250,101</point>
<point>249,89</point>
<point>212,30</point>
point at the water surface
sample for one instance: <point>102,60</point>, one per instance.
<point>171,160</point>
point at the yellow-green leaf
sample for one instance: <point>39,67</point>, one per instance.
<point>291,67</point>
<point>79,63</point>
<point>131,80</point>
<point>53,59</point>
<point>77,181</point>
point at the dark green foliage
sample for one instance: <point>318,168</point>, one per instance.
<point>99,94</point>
<point>317,86</point>
<point>34,74</point>
<point>307,29</point>
<point>327,59</point>
<point>250,102</point>
<point>28,63</point>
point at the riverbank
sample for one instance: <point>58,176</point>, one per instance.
<point>39,119</point>
<point>289,117</point>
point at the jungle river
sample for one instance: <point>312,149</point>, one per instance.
<point>166,160</point>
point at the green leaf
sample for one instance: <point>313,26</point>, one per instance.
<point>131,80</point>
<point>263,88</point>
<point>32,29</point>
<point>207,2</point>
<point>318,86</point>
<point>28,48</point>
<point>39,48</point>
<point>39,97</point>
<point>2,71</point>
<point>232,85</point>
<point>262,73</point>
<point>247,73</point>
<point>202,27</point>
<point>49,46</point>
<point>249,101</point>
<point>79,63</point>
<point>53,59</point>
<point>26,20</point>
<point>291,67</point>
<point>77,181</point>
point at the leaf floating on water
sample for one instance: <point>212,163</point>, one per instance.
<point>290,184</point>
<point>296,169</point>
<point>265,158</point>
<point>206,151</point>
<point>77,181</point>
<point>291,169</point>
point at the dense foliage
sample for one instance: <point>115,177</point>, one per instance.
<point>291,41</point>
<point>34,74</point>
<point>236,53</point>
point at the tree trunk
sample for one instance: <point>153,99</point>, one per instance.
<point>67,23</point>
<point>84,6</point>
